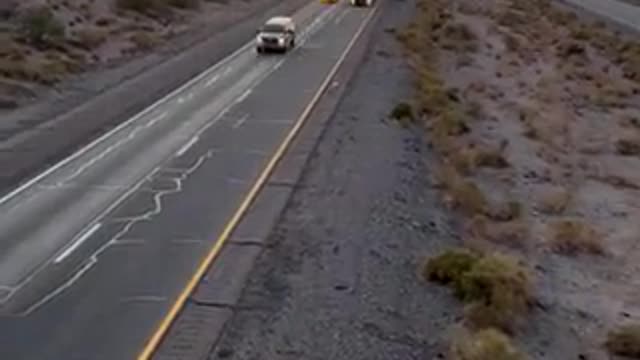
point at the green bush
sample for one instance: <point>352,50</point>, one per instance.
<point>41,26</point>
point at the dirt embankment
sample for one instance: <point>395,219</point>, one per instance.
<point>44,42</point>
<point>534,113</point>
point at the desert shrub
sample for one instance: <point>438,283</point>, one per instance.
<point>402,112</point>
<point>90,38</point>
<point>554,202</point>
<point>570,237</point>
<point>144,40</point>
<point>450,266</point>
<point>628,146</point>
<point>488,344</point>
<point>41,26</point>
<point>625,341</point>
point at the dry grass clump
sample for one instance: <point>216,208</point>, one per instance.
<point>629,146</point>
<point>42,70</point>
<point>458,37</point>
<point>465,195</point>
<point>90,38</point>
<point>496,286</point>
<point>469,158</point>
<point>554,202</point>
<point>571,237</point>
<point>488,344</point>
<point>449,267</point>
<point>625,341</point>
<point>144,40</point>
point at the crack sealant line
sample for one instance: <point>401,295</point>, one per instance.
<point>160,332</point>
<point>93,259</point>
<point>91,224</point>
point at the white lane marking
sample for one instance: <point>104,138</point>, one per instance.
<point>144,298</point>
<point>79,240</point>
<point>244,95</point>
<point>124,124</point>
<point>180,100</point>
<point>187,146</point>
<point>212,81</point>
<point>240,121</point>
<point>156,119</point>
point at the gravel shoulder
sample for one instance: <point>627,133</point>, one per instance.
<point>337,278</point>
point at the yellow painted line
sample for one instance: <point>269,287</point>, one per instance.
<point>154,342</point>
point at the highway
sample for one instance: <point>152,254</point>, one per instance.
<point>95,250</point>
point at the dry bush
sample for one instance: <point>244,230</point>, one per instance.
<point>554,202</point>
<point>450,122</point>
<point>506,211</point>
<point>571,237</point>
<point>44,71</point>
<point>449,267</point>
<point>498,289</point>
<point>487,344</point>
<point>458,37</point>
<point>144,40</point>
<point>625,341</point>
<point>90,38</point>
<point>466,196</point>
<point>629,146</point>
<point>512,233</point>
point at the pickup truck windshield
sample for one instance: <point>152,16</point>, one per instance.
<point>273,28</point>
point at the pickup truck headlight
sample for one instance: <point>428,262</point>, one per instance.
<point>280,41</point>
<point>259,39</point>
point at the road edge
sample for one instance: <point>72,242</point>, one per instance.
<point>226,276</point>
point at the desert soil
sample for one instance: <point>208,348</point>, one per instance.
<point>547,132</point>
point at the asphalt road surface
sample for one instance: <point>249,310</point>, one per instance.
<point>96,250</point>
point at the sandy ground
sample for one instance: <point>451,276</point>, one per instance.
<point>88,36</point>
<point>556,100</point>
<point>546,130</point>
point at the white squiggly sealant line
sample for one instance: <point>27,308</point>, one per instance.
<point>130,222</point>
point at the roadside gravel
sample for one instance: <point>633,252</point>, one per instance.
<point>338,277</point>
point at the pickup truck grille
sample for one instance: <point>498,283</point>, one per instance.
<point>270,41</point>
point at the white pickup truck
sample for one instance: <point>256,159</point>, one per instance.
<point>278,33</point>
